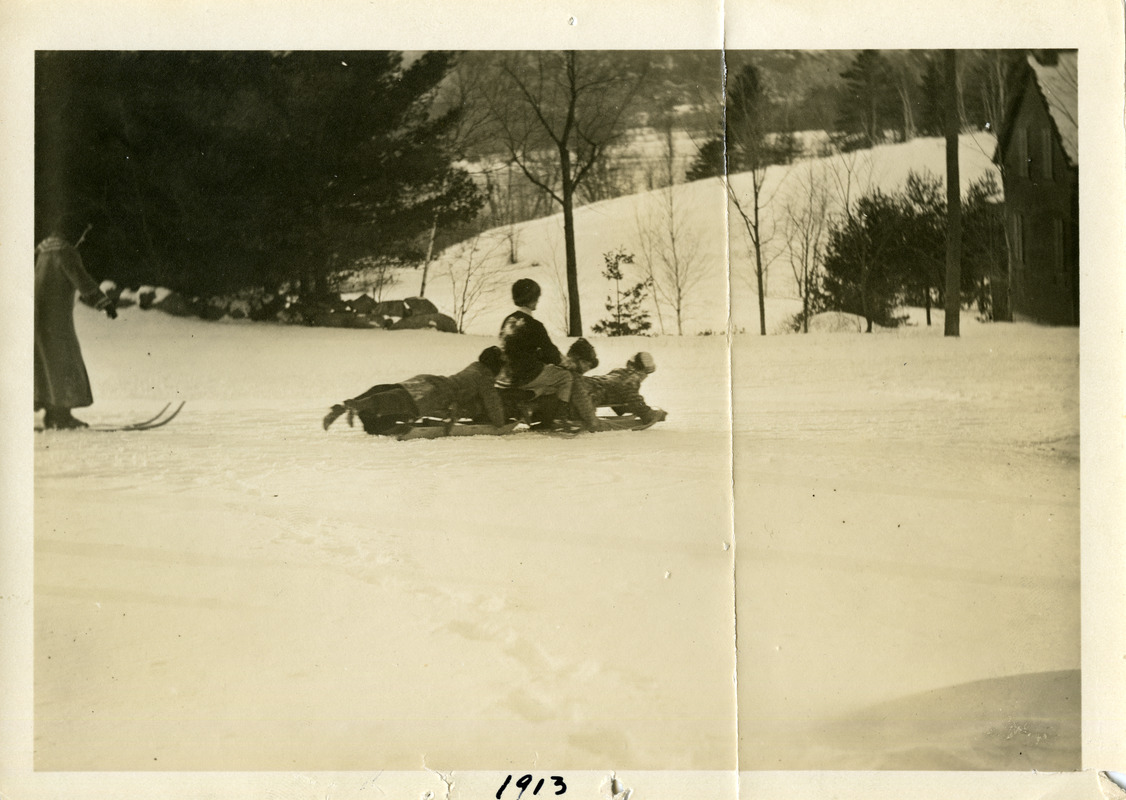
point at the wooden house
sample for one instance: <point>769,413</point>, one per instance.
<point>1038,153</point>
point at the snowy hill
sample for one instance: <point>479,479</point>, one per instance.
<point>702,214</point>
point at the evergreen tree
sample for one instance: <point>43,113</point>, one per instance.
<point>863,261</point>
<point>984,253</point>
<point>755,135</point>
<point>929,118</point>
<point>869,105</point>
<point>710,161</point>
<point>628,315</point>
<point>921,262</point>
<point>211,171</point>
<point>891,250</point>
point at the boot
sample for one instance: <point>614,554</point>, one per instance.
<point>333,414</point>
<point>552,414</point>
<point>61,419</point>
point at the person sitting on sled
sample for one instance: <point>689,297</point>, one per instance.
<point>470,393</point>
<point>620,389</point>
<point>531,360</point>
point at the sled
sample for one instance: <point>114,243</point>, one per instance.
<point>629,422</point>
<point>437,429</point>
<point>441,430</point>
<point>625,422</point>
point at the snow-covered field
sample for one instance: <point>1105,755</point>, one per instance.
<point>891,519</point>
<point>242,590</point>
<point>907,556</point>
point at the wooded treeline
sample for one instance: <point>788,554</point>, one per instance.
<point>214,171</point>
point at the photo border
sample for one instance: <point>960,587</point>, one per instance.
<point>1095,27</point>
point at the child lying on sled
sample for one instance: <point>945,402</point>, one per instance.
<point>619,389</point>
<point>468,394</point>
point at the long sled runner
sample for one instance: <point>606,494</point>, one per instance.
<point>159,420</point>
<point>438,430</point>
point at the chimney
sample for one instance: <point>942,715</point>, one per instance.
<point>1047,58</point>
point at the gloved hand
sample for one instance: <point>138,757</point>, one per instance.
<point>111,310</point>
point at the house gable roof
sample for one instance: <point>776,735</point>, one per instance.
<point>1057,85</point>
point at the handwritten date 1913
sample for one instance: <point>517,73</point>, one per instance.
<point>526,780</point>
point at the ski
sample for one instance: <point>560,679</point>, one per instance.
<point>148,426</point>
<point>157,421</point>
<point>154,417</point>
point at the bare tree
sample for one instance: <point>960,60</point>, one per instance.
<point>907,69</point>
<point>610,177</point>
<point>752,151</point>
<point>473,274</point>
<point>563,108</point>
<point>806,225</point>
<point>993,68</point>
<point>505,207</point>
<point>996,66</point>
<point>375,274</point>
<point>648,245</point>
<point>670,249</point>
<point>755,213</point>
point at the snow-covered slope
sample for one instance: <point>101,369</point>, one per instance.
<point>241,590</point>
<point>702,217</point>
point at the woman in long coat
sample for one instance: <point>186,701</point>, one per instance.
<point>61,382</point>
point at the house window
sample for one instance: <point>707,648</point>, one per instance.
<point>1018,239</point>
<point>1020,151</point>
<point>1044,160</point>
<point>1057,245</point>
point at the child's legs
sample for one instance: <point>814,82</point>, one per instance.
<point>552,380</point>
<point>382,406</point>
<point>378,389</point>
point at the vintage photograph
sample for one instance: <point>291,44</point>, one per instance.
<point>640,409</point>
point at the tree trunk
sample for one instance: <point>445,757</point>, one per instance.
<point>758,266</point>
<point>429,255</point>
<point>574,315</point>
<point>805,304</point>
<point>953,198</point>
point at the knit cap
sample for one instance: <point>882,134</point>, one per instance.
<point>643,362</point>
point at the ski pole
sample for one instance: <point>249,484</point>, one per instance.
<point>82,238</point>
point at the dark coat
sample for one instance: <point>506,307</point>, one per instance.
<point>60,373</point>
<point>527,347</point>
<point>469,393</point>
